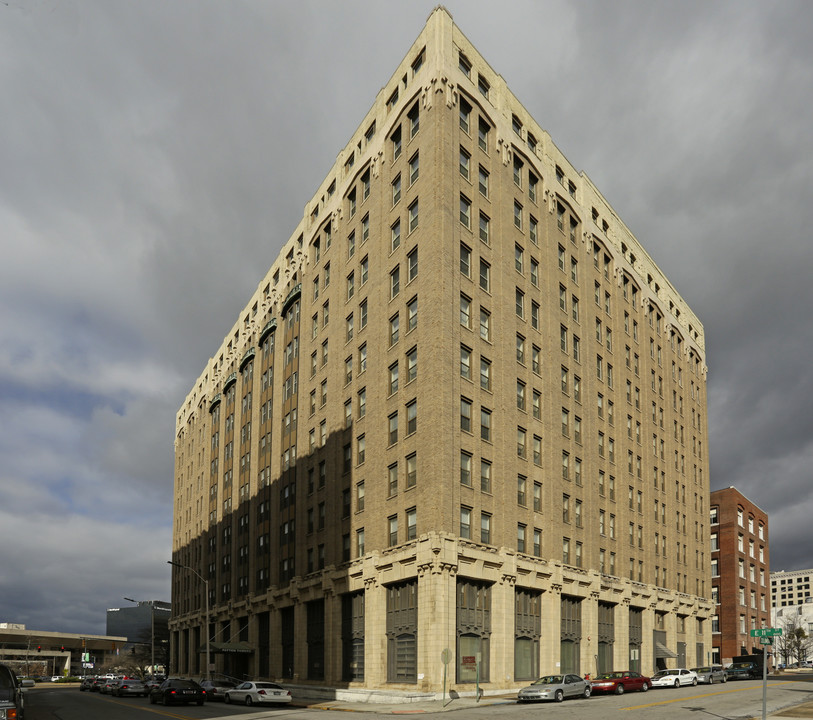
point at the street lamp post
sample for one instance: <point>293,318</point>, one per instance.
<point>206,626</point>
<point>152,630</point>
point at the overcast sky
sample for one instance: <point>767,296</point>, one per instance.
<point>155,156</point>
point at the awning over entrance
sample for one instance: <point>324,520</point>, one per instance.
<point>230,647</point>
<point>661,651</point>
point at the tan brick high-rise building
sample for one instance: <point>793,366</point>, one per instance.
<point>464,410</point>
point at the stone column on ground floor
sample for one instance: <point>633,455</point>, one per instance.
<point>333,636</point>
<point>550,641</point>
<point>274,642</point>
<point>588,646</point>
<point>301,645</point>
<point>647,642</point>
<point>621,635</point>
<point>437,593</point>
<point>375,633</point>
<point>254,642</point>
<point>503,621</point>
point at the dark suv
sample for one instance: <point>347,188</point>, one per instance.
<point>11,695</point>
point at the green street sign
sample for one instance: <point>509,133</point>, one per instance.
<point>766,641</point>
<point>766,632</point>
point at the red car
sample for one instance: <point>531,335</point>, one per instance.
<point>620,682</point>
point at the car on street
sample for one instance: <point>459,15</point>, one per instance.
<point>106,688</point>
<point>710,674</point>
<point>744,671</point>
<point>258,692</point>
<point>129,687</point>
<point>12,700</point>
<point>87,683</point>
<point>674,677</point>
<point>216,689</point>
<point>178,691</point>
<point>620,681</point>
<point>555,687</point>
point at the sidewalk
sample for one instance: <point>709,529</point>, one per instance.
<point>419,706</point>
<point>805,710</point>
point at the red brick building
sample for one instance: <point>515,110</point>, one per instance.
<point>740,572</point>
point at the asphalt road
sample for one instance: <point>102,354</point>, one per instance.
<point>738,700</point>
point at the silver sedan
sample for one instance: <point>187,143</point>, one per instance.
<point>710,674</point>
<point>258,692</point>
<point>555,687</point>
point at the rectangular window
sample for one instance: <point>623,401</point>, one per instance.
<point>412,364</point>
<point>412,470</point>
<point>395,142</point>
<point>396,189</point>
<point>465,163</point>
<point>465,414</point>
<point>485,528</point>
<point>393,428</point>
<point>413,215</point>
<point>465,211</point>
<point>484,228</point>
<point>414,168</point>
<point>483,131</point>
<point>412,314</point>
<point>414,120</point>
<point>485,373</point>
<point>465,311</point>
<point>485,476</point>
<point>395,235</point>
<point>465,362</point>
<point>485,275</point>
<point>465,115</point>
<point>395,282</point>
<point>412,417</point>
<point>412,265</point>
<point>465,522</point>
<point>485,424</point>
<point>483,181</point>
<point>465,468</point>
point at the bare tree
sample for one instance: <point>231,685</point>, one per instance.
<point>794,644</point>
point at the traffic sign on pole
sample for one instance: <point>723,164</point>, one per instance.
<point>766,632</point>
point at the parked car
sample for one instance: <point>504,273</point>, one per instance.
<point>178,690</point>
<point>216,689</point>
<point>258,692</point>
<point>129,686</point>
<point>87,683</point>
<point>744,671</point>
<point>555,687</point>
<point>674,677</point>
<point>12,700</point>
<point>710,674</point>
<point>620,682</point>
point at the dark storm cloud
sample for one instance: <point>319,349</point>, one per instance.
<point>155,156</point>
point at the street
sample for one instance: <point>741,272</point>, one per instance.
<point>730,701</point>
